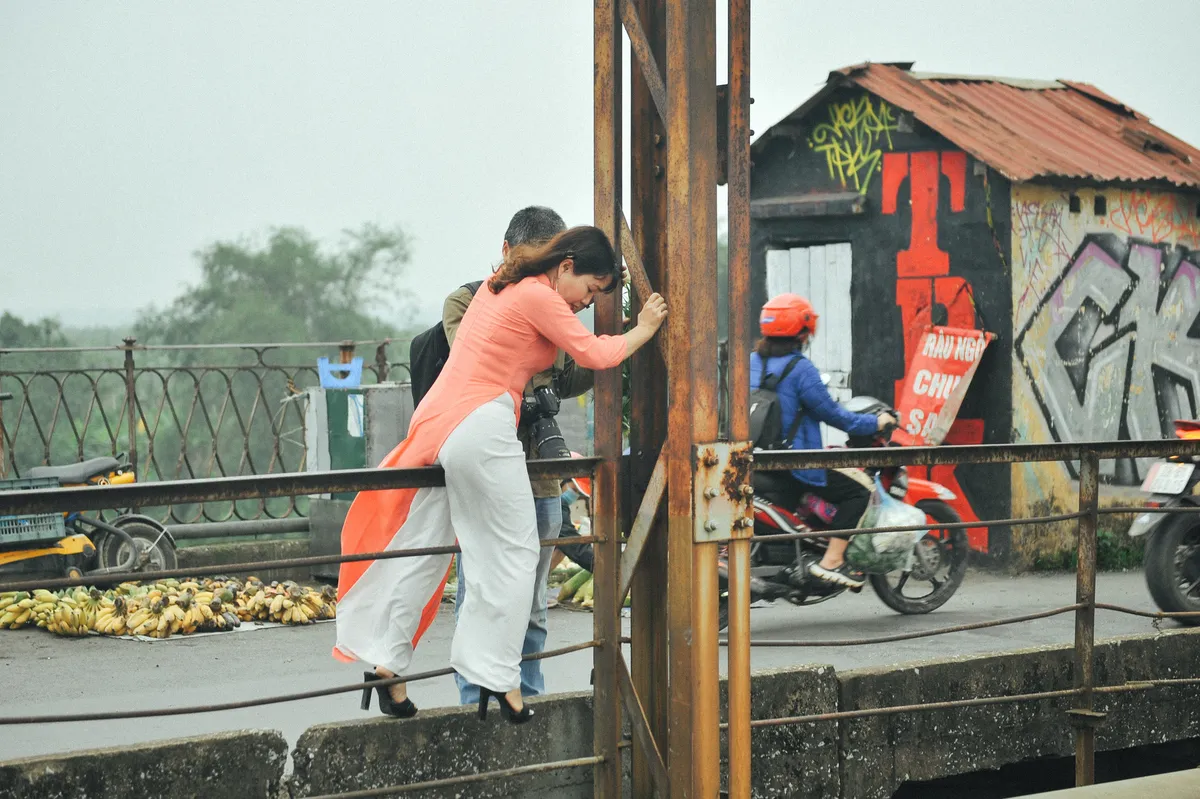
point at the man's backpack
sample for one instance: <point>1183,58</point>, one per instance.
<point>766,417</point>
<point>427,354</point>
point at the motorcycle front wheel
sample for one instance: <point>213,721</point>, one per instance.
<point>938,568</point>
<point>1172,563</point>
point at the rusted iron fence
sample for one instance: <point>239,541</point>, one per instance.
<point>1081,715</point>
<point>178,412</point>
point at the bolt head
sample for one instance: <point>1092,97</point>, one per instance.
<point>747,491</point>
<point>712,493</point>
<point>710,526</point>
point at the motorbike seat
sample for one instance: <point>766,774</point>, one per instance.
<point>76,472</point>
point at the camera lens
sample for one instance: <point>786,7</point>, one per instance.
<point>549,439</point>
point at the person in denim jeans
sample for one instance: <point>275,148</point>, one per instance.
<point>529,225</point>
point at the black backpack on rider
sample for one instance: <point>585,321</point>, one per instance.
<point>766,417</point>
<point>427,354</point>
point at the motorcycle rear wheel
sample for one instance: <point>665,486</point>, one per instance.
<point>942,567</point>
<point>1172,563</point>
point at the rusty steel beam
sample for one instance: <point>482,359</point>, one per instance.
<point>648,389</point>
<point>693,746</point>
<point>641,730</point>
<point>784,460</point>
<point>638,275</point>
<point>1083,718</point>
<point>642,524</point>
<point>639,44</point>
<point>606,486</point>
<point>738,242</point>
<point>287,484</point>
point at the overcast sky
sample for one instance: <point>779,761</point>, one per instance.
<point>134,133</point>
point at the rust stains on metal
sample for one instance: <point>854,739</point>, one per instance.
<point>1025,129</point>
<point>735,479</point>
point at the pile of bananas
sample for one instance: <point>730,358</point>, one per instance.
<point>18,608</point>
<point>166,608</point>
<point>287,603</point>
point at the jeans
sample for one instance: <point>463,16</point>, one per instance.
<point>549,521</point>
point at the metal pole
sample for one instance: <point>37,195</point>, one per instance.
<point>1083,717</point>
<point>693,744</point>
<point>648,387</point>
<point>606,496</point>
<point>131,403</point>
<point>738,387</point>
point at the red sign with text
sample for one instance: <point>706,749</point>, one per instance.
<point>943,364</point>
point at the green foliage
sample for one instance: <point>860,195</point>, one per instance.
<point>289,289</point>
<point>1115,551</point>
<point>17,333</point>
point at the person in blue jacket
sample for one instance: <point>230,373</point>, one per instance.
<point>788,323</point>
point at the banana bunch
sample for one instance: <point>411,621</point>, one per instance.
<point>145,619</point>
<point>321,604</point>
<point>68,618</point>
<point>191,618</point>
<point>16,609</point>
<point>111,619</point>
<point>44,610</point>
<point>255,603</point>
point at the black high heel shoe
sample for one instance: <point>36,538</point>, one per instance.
<point>506,711</point>
<point>387,705</point>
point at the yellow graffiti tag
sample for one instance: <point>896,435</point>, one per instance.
<point>853,140</point>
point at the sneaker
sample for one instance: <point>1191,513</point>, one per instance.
<point>839,576</point>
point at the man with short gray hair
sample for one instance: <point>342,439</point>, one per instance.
<point>530,225</point>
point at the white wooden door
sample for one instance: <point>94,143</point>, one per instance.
<point>821,274</point>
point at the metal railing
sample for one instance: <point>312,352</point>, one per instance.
<point>1082,715</point>
<point>180,412</point>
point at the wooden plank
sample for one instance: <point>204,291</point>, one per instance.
<point>642,525</point>
<point>779,272</point>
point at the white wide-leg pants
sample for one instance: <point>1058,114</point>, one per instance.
<point>487,505</point>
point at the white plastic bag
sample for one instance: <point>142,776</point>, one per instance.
<point>880,553</point>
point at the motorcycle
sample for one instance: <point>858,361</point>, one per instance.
<point>1172,554</point>
<point>72,544</point>
<point>780,569</point>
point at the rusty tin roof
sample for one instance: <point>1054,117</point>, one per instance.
<point>1025,129</point>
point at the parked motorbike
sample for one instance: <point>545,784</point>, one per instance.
<point>1172,554</point>
<point>780,569</point>
<point>72,544</point>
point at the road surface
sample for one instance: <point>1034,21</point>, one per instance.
<point>44,674</point>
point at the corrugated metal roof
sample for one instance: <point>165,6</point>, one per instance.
<point>1027,129</point>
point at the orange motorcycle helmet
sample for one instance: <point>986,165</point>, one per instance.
<point>582,484</point>
<point>787,316</point>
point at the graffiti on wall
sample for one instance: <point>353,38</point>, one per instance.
<point>854,138</point>
<point>1108,319</point>
<point>925,290</point>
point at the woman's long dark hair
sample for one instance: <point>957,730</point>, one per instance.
<point>585,245</point>
<point>773,346</point>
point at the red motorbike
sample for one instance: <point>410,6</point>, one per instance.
<point>780,569</point>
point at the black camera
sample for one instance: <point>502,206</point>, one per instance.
<point>537,413</point>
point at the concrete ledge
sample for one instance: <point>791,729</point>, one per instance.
<point>244,764</point>
<point>881,753</point>
<point>449,742</point>
<point>247,552</point>
<point>799,760</point>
